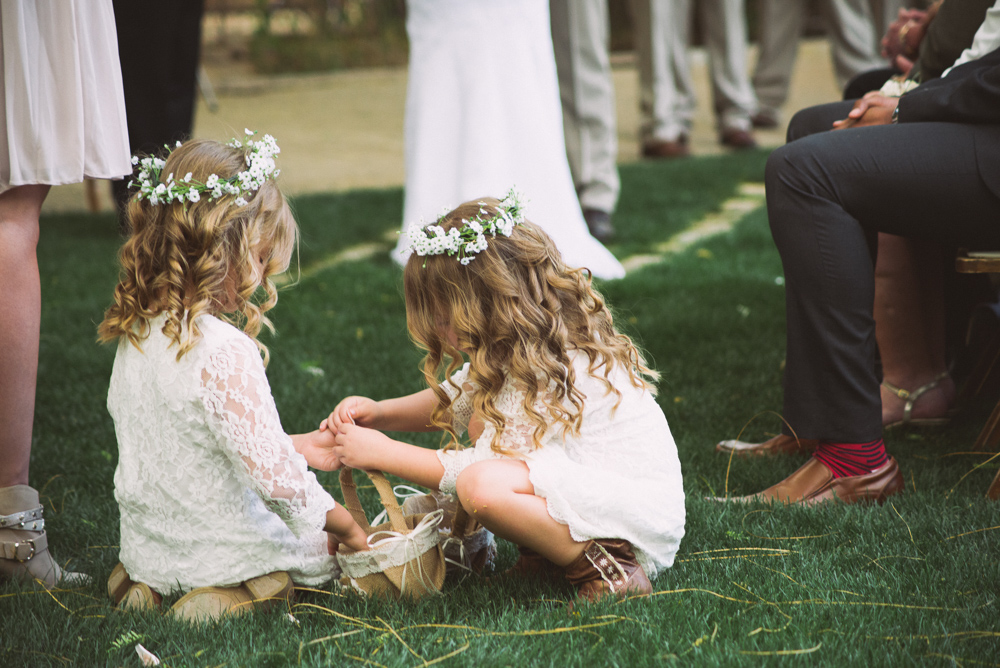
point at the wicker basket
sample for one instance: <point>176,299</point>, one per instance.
<point>405,559</point>
<point>467,544</point>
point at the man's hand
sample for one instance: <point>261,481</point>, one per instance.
<point>873,109</point>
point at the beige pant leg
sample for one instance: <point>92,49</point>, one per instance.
<point>853,43</point>
<point>580,34</point>
<point>724,24</point>
<point>781,23</point>
<point>666,92</point>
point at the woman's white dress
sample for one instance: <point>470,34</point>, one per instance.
<point>620,478</point>
<point>483,115</point>
<point>210,489</point>
<point>63,112</point>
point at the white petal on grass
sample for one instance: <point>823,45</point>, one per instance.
<point>147,657</point>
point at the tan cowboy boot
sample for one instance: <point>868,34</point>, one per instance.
<point>607,567</point>
<point>530,564</point>
<point>24,553</point>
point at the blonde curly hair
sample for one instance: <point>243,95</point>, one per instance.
<point>197,258</point>
<point>517,310</point>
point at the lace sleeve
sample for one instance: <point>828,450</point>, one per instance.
<point>461,402</point>
<point>453,461</point>
<point>241,411</point>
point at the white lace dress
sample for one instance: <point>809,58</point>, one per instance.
<point>620,478</point>
<point>210,489</point>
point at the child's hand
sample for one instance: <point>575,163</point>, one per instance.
<point>317,447</point>
<point>361,411</point>
<point>361,448</point>
<point>341,528</point>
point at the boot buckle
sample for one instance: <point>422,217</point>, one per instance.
<point>31,554</point>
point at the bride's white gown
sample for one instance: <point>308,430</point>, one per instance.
<point>483,115</point>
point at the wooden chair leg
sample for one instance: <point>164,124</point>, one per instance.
<point>981,370</point>
<point>993,493</point>
<point>990,434</point>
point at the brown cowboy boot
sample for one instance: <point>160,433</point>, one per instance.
<point>607,567</point>
<point>530,564</point>
<point>24,553</point>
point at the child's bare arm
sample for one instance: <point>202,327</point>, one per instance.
<point>409,413</point>
<point>345,530</point>
<point>368,449</point>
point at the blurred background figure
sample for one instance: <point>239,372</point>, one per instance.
<point>158,44</point>
<point>580,35</point>
<point>483,115</point>
<point>667,102</point>
<point>853,48</point>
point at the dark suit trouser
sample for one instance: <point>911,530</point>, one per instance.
<point>828,195</point>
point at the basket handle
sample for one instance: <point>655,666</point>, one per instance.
<point>384,489</point>
<point>459,522</point>
<point>351,500</point>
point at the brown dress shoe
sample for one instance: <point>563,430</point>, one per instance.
<point>766,119</point>
<point>813,483</point>
<point>779,445</point>
<point>607,567</point>
<point>738,139</point>
<point>664,148</point>
<point>599,224</point>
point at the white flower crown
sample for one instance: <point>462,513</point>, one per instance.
<point>469,239</point>
<point>260,161</point>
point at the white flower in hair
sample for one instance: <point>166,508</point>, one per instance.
<point>259,160</point>
<point>469,239</point>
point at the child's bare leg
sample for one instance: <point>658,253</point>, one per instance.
<point>499,495</point>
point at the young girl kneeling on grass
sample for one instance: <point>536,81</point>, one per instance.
<point>216,500</point>
<point>573,459</point>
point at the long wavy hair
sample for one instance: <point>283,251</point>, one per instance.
<point>517,310</point>
<point>197,258</point>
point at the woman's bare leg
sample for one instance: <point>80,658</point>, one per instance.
<point>910,325</point>
<point>500,496</point>
<point>19,327</point>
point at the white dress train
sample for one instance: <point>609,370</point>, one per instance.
<point>483,115</point>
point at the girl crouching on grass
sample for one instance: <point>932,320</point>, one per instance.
<point>216,500</point>
<point>573,459</point>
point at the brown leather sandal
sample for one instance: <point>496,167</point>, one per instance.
<point>211,603</point>
<point>130,595</point>
<point>606,568</point>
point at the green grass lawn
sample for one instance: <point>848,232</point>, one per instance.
<point>914,581</point>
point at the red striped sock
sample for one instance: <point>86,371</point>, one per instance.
<point>850,459</point>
